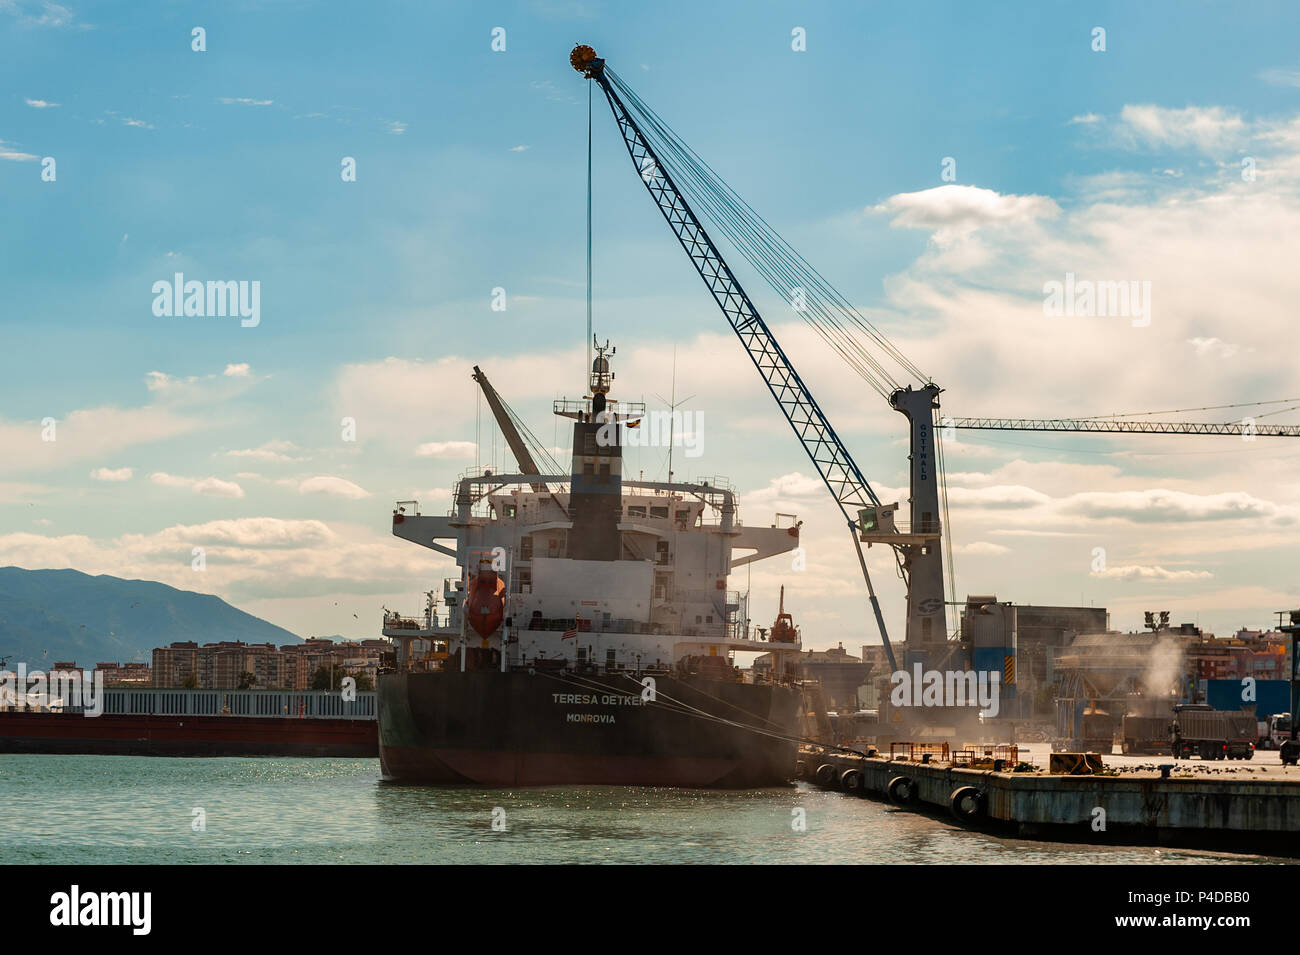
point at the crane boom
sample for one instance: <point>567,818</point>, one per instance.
<point>1121,426</point>
<point>845,482</point>
<point>920,557</point>
<point>523,457</point>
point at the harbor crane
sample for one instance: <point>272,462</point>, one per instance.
<point>669,168</point>
<point>657,153</point>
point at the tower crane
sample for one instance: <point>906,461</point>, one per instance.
<point>1245,429</point>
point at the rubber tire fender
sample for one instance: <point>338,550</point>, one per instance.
<point>825,776</point>
<point>901,790</point>
<point>967,803</point>
<point>853,782</point>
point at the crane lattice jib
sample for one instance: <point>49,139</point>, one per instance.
<point>828,454</point>
<point>1243,428</point>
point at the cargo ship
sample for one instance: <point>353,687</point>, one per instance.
<point>590,637</point>
<point>157,721</point>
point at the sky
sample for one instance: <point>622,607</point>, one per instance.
<point>940,163</point>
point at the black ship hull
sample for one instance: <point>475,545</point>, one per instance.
<point>535,729</point>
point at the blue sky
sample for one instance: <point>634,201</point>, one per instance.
<point>375,301</point>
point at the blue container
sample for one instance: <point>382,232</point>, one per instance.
<point>1271,696</point>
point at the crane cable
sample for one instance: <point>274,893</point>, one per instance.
<point>758,244</point>
<point>824,309</point>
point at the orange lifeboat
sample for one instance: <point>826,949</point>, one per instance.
<point>485,604</point>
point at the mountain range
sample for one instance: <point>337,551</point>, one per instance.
<point>65,615</point>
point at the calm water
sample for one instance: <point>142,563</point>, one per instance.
<point>118,809</point>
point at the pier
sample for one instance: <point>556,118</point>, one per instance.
<point>1153,802</point>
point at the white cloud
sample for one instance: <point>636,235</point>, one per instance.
<point>447,449</point>
<point>210,486</point>
<point>518,149</point>
<point>1210,129</point>
<point>87,434</point>
<point>333,486</point>
<point>14,155</point>
<point>50,14</point>
<point>1160,505</point>
<point>1212,348</point>
<point>1281,77</point>
<point>112,474</point>
<point>236,371</point>
<point>954,210</point>
<point>243,101</point>
<point>981,549</point>
<point>269,451</point>
<point>1154,572</point>
<point>396,127</point>
<point>1085,119</point>
<point>41,104</point>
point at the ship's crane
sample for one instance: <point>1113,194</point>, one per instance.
<point>523,457</point>
<point>917,545</point>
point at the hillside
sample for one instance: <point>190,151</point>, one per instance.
<point>49,615</point>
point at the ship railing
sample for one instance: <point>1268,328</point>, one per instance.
<point>426,622</point>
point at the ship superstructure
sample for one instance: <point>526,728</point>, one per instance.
<point>592,582</point>
<point>598,570</point>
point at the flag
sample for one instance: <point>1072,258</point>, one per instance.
<point>568,634</point>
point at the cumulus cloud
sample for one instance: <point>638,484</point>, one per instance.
<point>954,210</point>
<point>997,497</point>
<point>236,371</point>
<point>333,486</point>
<point>41,104</point>
<point>1159,505</point>
<point>210,486</point>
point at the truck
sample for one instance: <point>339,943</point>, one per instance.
<point>1212,734</point>
<point>1147,735</point>
<point>1275,729</point>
